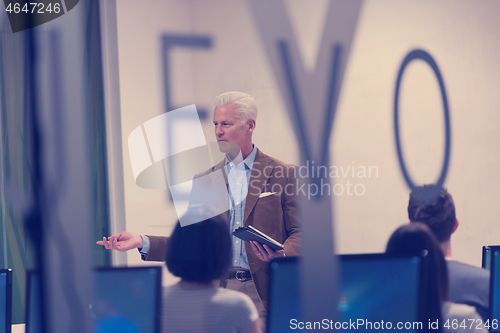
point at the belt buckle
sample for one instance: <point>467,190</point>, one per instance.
<point>240,278</point>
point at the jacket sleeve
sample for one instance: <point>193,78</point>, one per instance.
<point>291,217</point>
<point>157,248</point>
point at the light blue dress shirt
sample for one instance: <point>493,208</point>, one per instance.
<point>238,177</point>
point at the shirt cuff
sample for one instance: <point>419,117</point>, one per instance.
<point>145,246</point>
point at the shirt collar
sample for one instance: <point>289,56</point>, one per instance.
<point>249,160</point>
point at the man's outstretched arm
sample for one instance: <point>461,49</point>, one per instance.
<point>122,242</point>
<point>151,248</point>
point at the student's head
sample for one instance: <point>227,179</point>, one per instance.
<point>415,239</point>
<point>433,206</point>
<point>200,252</point>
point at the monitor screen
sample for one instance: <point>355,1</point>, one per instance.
<point>5,300</point>
<point>486,260</point>
<point>126,299</point>
<point>495,288</point>
<point>373,288</point>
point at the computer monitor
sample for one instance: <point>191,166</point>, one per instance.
<point>126,299</point>
<point>5,300</point>
<point>494,254</point>
<point>373,287</point>
<point>486,258</point>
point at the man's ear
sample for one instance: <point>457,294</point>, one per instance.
<point>456,226</point>
<point>251,125</point>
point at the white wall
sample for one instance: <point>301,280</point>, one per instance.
<point>462,37</point>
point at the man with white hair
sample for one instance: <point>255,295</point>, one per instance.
<point>262,193</point>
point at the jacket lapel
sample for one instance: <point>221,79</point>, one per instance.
<point>258,180</point>
<point>218,166</point>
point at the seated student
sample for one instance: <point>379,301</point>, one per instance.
<point>415,239</point>
<point>200,254</point>
<point>433,206</point>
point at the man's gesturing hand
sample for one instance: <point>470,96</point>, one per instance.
<point>265,253</point>
<point>124,241</point>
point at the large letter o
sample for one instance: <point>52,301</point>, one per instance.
<point>421,54</point>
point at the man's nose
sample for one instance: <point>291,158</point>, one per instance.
<point>218,131</point>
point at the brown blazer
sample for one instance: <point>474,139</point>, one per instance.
<point>275,215</point>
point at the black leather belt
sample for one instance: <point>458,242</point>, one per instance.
<point>240,274</point>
